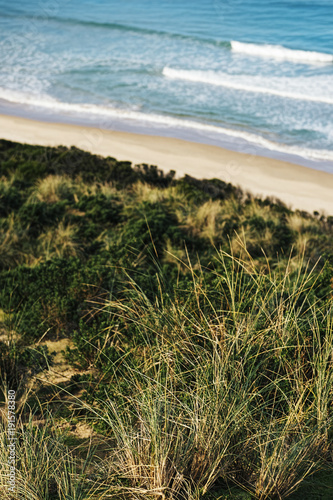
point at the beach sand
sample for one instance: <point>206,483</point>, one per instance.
<point>299,187</point>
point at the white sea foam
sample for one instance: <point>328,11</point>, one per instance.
<point>166,122</point>
<point>279,52</point>
<point>279,86</point>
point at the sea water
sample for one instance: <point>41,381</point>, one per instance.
<point>253,76</point>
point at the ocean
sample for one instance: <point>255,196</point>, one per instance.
<point>252,76</point>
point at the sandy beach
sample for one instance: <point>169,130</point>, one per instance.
<point>299,187</point>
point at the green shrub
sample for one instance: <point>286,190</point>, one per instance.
<point>40,215</point>
<point>49,297</point>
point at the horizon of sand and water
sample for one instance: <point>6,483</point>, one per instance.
<point>254,77</point>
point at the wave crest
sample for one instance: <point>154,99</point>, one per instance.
<point>282,53</point>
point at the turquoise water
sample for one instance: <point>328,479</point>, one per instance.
<point>253,76</point>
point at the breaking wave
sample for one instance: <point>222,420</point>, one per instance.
<point>250,84</point>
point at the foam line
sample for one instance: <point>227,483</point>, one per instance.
<point>165,121</point>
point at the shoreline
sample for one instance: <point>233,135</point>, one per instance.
<point>297,186</point>
<point>220,138</point>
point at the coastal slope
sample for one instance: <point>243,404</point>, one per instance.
<point>297,186</point>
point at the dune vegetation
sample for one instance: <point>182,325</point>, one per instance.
<point>166,338</point>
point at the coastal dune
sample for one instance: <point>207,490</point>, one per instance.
<point>299,187</point>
